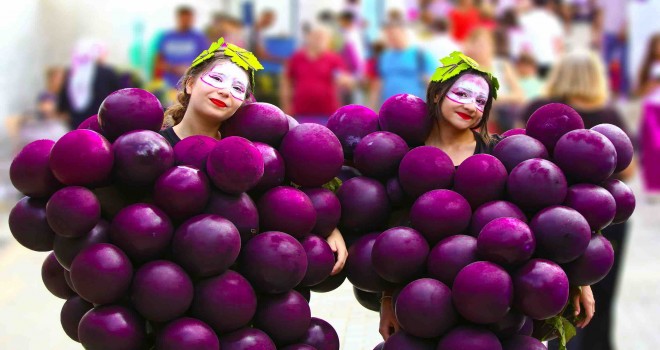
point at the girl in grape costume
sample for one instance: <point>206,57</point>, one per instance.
<point>459,99</point>
<point>218,82</point>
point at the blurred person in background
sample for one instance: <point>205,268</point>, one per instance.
<point>609,31</point>
<point>649,75</point>
<point>463,19</point>
<point>649,89</point>
<point>530,83</point>
<point>178,47</point>
<point>545,32</point>
<point>88,82</point>
<point>518,42</point>
<point>440,43</point>
<point>579,80</point>
<point>353,51</point>
<point>312,78</point>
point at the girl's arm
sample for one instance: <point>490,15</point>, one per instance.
<point>586,299</point>
<point>338,246</point>
<point>388,322</point>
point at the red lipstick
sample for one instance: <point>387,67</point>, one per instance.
<point>218,103</point>
<point>464,116</point>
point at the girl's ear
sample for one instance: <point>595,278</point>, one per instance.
<point>436,98</point>
<point>189,85</point>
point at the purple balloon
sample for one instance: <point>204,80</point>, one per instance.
<point>239,209</point>
<point>440,213</point>
<point>624,198</point>
<point>425,168</point>
<point>621,143</point>
<point>516,149</point>
<point>509,325</point>
<point>368,300</point>
<point>527,327</point>
<point>28,225</point>
<point>284,317</point>
<point>521,342</point>
<point>506,241</point>
<point>206,245</point>
<point>288,210</point>
<point>52,274</point>
<point>91,123</point>
<point>465,337</point>
<point>480,178</point>
<point>364,204</point>
<point>328,210</point>
<point>273,167</point>
<point>30,171</point>
<point>550,122</point>
<point>194,150</point>
<point>593,265</point>
<point>161,291</point>
<point>585,156</point>
<point>112,327</point>
<point>360,271</point>
<point>512,132</point>
<point>182,192</point>
<point>257,122</point>
<point>312,154</point>
<point>379,154</point>
<point>73,211</point>
<point>320,260</point>
<point>535,184</point>
<point>299,347</point>
<point>407,116</point>
<point>424,308</point>
<point>292,121</point>
<point>141,157</point>
<point>350,124</point>
<point>235,165</point>
<point>142,231</point>
<point>329,284</point>
<point>101,273</point>
<point>66,249</point>
<point>562,234</point>
<point>82,157</point>
<point>130,109</point>
<point>321,335</point>
<point>449,256</point>
<point>595,203</point>
<point>482,292</point>
<point>225,302</point>
<point>399,254</point>
<point>73,310</point>
<point>541,289</point>
<point>395,192</point>
<point>403,340</point>
<point>273,262</point>
<point>187,333</point>
<point>346,173</point>
<point>246,339</point>
<point>490,211</point>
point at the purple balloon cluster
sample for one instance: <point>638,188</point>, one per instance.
<point>205,245</point>
<point>474,254</point>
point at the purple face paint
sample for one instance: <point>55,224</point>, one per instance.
<point>227,76</point>
<point>470,88</point>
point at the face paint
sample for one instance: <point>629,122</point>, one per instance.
<point>227,76</point>
<point>470,88</point>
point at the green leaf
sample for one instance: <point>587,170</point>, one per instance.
<point>561,326</point>
<point>208,53</point>
<point>457,62</point>
<point>333,185</point>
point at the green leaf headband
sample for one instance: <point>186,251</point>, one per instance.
<point>457,62</point>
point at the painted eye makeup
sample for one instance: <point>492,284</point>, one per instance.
<point>219,80</point>
<point>465,96</point>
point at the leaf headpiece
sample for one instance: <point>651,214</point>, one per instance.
<point>240,56</point>
<point>457,62</point>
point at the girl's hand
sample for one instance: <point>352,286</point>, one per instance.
<point>338,246</point>
<point>586,299</point>
<point>388,322</point>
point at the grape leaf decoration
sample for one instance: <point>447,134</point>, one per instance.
<point>458,62</point>
<point>243,58</point>
<point>208,53</point>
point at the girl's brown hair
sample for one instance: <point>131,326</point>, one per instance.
<point>441,89</point>
<point>645,72</point>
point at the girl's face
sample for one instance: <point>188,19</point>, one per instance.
<point>464,104</point>
<point>219,91</point>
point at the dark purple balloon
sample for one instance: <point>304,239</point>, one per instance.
<point>527,327</point>
<point>73,310</point>
<point>595,203</point>
<point>30,171</point>
<point>67,278</point>
<point>360,271</point>
<point>624,198</point>
<point>466,337</point>
<point>112,327</point>
<point>379,154</point>
<point>273,262</point>
<point>515,149</point>
<point>194,150</point>
<point>321,335</point>
<point>331,283</point>
<point>541,289</point>
<point>562,234</point>
<point>239,209</point>
<point>551,121</point>
<point>368,300</point>
<point>509,325</point>
<point>320,260</point>
<point>585,156</point>
<point>141,157</point>
<point>425,168</point>
<point>91,123</point>
<point>480,178</point>
<point>225,302</point>
<point>257,122</point>
<point>347,173</point>
<point>66,249</point>
<point>235,165</point>
<point>187,333</point>
<point>82,157</point>
<point>299,347</point>
<point>246,339</point>
<point>407,116</point>
<point>535,184</point>
<point>130,109</point>
<point>621,143</point>
<point>28,225</point>
<point>395,192</point>
<point>161,291</point>
<point>512,132</point>
<point>449,256</point>
<point>424,308</point>
<point>52,274</point>
<point>284,317</point>
<point>328,210</point>
<point>73,211</point>
<point>490,211</point>
<point>101,273</point>
<point>142,231</point>
<point>380,346</point>
<point>440,213</point>
<point>350,124</point>
<point>482,292</point>
<point>273,167</point>
<point>292,121</point>
<point>364,204</point>
<point>206,245</point>
<point>399,254</point>
<point>286,209</point>
<point>402,340</point>
<point>593,265</point>
<point>521,342</point>
<point>506,241</point>
<point>182,192</point>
